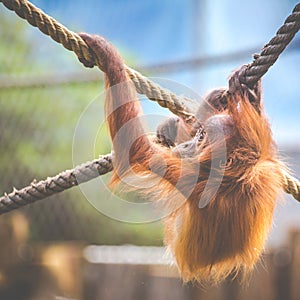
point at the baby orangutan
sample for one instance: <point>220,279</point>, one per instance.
<point>219,187</point>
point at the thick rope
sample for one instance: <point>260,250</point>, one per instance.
<point>162,96</point>
<point>274,48</point>
<point>86,172</point>
<point>53,185</point>
<point>72,41</point>
<point>75,43</point>
<point>291,185</point>
<point>49,26</point>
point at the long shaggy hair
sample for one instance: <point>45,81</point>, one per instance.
<point>220,201</point>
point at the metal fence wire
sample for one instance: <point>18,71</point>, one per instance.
<point>36,130</point>
<point>36,133</point>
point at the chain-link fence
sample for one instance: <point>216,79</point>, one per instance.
<point>40,105</point>
<point>37,125</point>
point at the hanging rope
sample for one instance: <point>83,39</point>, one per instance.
<point>73,42</point>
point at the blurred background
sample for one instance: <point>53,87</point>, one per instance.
<point>52,249</point>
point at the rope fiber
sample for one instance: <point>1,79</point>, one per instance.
<point>53,185</point>
<point>166,99</point>
<point>72,41</point>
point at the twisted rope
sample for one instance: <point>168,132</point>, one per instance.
<point>274,48</point>
<point>162,96</point>
<point>86,172</point>
<point>53,185</point>
<point>75,43</point>
<point>49,26</point>
<point>90,170</point>
<point>291,185</point>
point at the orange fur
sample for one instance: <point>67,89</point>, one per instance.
<point>228,234</point>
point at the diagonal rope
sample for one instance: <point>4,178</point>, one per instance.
<point>167,99</point>
<point>274,48</point>
<point>83,173</point>
<point>53,185</point>
<point>73,42</point>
